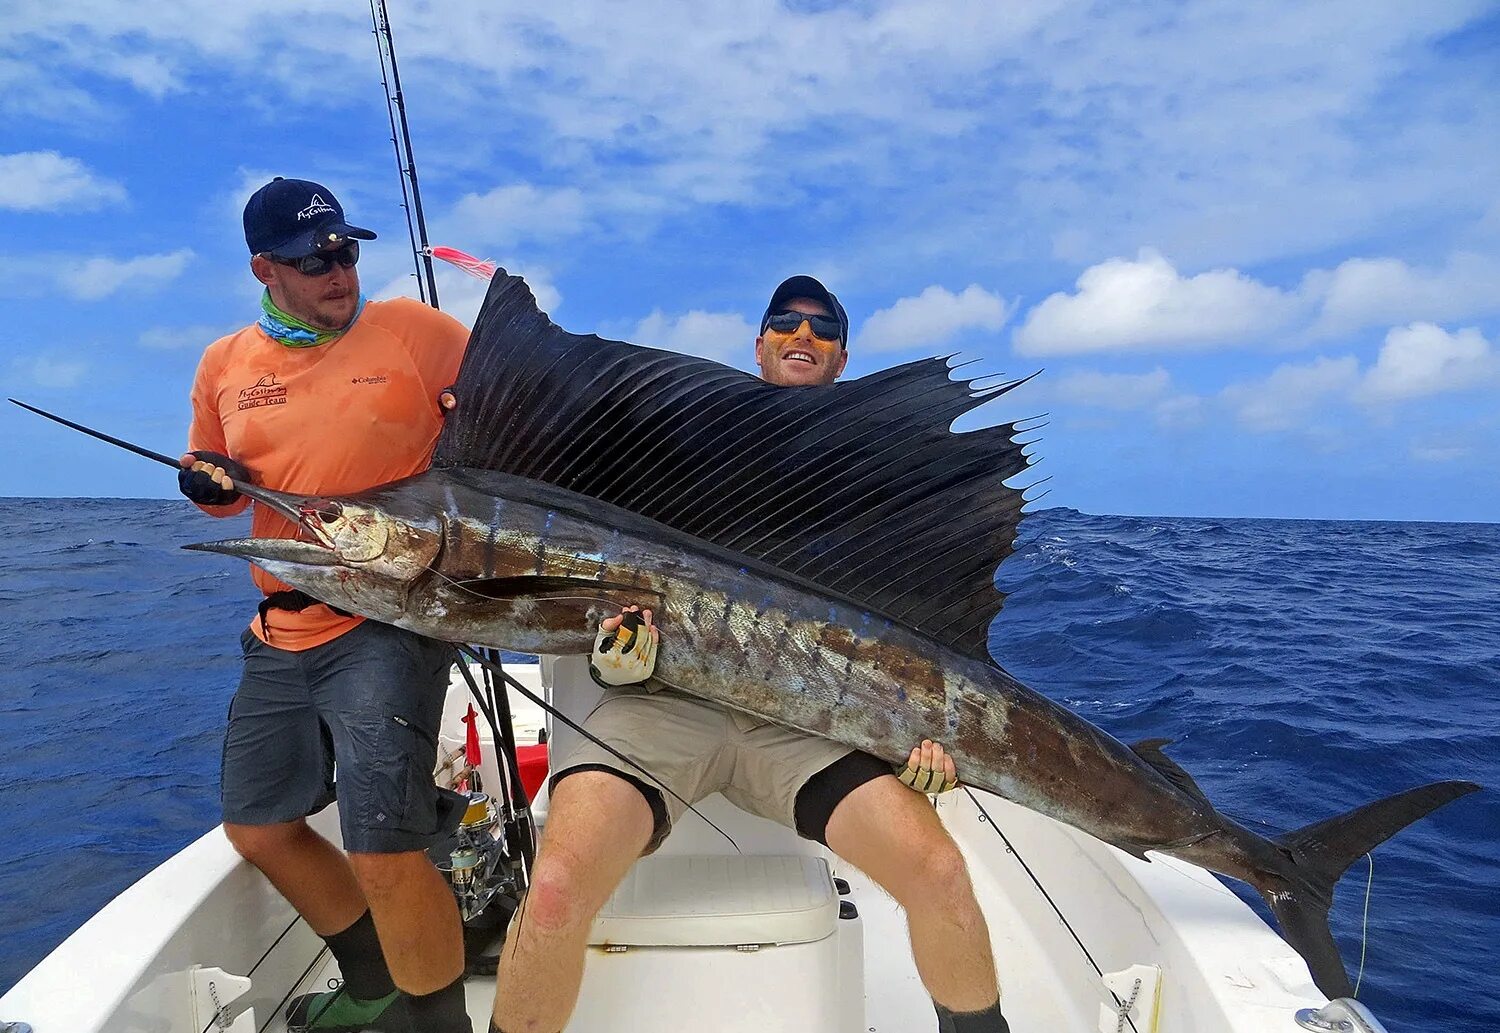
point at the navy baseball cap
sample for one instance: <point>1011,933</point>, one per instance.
<point>807,287</point>
<point>293,218</point>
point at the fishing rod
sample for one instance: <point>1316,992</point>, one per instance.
<point>165,460</point>
<point>406,163</point>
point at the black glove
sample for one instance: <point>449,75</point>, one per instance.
<point>199,487</point>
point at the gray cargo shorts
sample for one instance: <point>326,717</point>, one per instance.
<point>366,704</point>
<point>697,747</point>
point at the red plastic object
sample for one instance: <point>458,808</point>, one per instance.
<point>471,739</point>
<point>532,760</point>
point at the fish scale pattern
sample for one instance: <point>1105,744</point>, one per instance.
<point>860,487</point>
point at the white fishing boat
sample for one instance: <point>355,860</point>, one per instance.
<point>768,934</point>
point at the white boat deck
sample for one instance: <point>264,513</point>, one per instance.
<point>894,999</point>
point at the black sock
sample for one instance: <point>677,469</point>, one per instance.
<point>442,1011</point>
<point>987,1020</point>
<point>357,950</point>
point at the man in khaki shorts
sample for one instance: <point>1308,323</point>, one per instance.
<point>603,815</point>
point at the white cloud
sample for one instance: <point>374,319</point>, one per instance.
<point>1143,304</point>
<point>1289,397</point>
<point>96,278</point>
<point>1423,359</point>
<point>723,336</point>
<point>44,371</point>
<point>460,294</point>
<point>1151,393</point>
<point>1437,453</point>
<point>515,212</point>
<point>1382,291</point>
<point>1115,390</point>
<point>931,319</point>
<point>171,338</point>
<point>45,181</point>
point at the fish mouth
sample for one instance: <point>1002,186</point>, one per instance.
<point>272,550</point>
<point>308,512</point>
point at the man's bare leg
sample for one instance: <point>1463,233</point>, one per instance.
<point>597,825</point>
<point>895,837</point>
<point>416,919</point>
<point>310,872</point>
<point>415,915</point>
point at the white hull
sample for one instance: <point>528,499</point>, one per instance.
<point>144,962</point>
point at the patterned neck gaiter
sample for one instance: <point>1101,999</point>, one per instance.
<point>293,332</point>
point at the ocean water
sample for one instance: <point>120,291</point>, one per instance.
<point>1302,668</point>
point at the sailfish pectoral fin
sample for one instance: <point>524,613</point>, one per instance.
<point>557,615</point>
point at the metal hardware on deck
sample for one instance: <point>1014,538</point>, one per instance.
<point>748,948</point>
<point>1343,1015</point>
<point>616,948</point>
<point>213,990</point>
<point>1137,994</point>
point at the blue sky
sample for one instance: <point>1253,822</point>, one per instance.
<point>1255,249</point>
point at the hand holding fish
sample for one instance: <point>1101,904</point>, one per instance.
<point>207,478</point>
<point>929,769</point>
<point>625,649</point>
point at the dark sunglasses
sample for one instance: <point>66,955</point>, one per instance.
<point>823,327</point>
<point>321,263</point>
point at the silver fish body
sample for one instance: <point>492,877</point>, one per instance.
<point>523,565</point>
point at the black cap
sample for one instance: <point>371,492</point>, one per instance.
<point>806,287</point>
<point>293,218</point>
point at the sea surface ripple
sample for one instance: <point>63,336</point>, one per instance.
<point>1302,668</point>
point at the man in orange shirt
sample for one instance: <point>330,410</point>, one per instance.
<point>328,394</point>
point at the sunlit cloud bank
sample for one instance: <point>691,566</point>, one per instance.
<point>931,319</point>
<point>1417,361</point>
<point>42,181</point>
<point>1147,305</point>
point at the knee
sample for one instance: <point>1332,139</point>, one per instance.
<point>259,844</point>
<point>557,901</point>
<point>937,874</point>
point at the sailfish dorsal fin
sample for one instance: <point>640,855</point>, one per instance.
<point>859,487</point>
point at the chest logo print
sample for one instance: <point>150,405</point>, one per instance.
<point>265,391</point>
<point>378,378</point>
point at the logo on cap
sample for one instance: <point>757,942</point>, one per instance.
<point>317,206</point>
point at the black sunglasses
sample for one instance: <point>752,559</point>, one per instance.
<point>825,327</point>
<point>320,263</point>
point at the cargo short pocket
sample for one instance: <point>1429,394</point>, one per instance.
<point>396,790</point>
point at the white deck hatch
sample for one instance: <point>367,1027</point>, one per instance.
<point>698,901</point>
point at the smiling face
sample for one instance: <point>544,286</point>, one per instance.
<point>327,302</point>
<point>799,358</point>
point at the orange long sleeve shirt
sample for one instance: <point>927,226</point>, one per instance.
<point>334,419</point>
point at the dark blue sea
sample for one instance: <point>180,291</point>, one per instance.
<point>1302,667</point>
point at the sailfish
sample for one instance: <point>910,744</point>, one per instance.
<point>822,557</point>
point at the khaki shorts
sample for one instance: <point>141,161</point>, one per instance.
<point>697,748</point>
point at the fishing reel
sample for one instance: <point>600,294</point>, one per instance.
<point>485,867</point>
<point>474,859</point>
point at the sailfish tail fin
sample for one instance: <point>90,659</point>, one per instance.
<point>1320,853</point>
